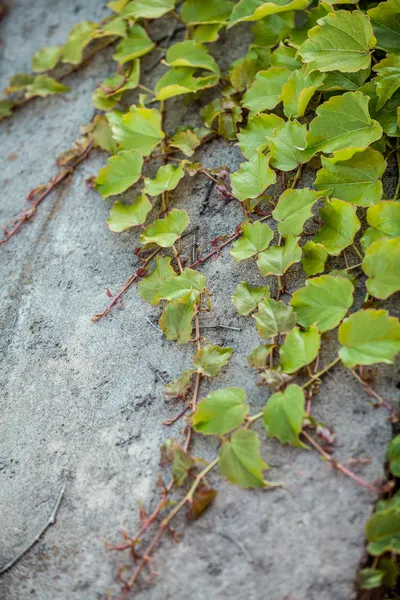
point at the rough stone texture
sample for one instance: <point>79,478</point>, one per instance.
<point>80,403</point>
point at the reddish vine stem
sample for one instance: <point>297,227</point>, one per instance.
<point>139,273</point>
<point>368,389</point>
<point>339,466</point>
<point>53,183</point>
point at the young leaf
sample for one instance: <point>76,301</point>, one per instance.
<point>136,44</point>
<point>181,465</point>
<point>254,10</point>
<point>386,24</point>
<point>177,287</point>
<point>284,414</point>
<point>388,79</point>
<point>240,460</point>
<point>340,226</point>
<point>211,359</point>
<point>78,38</point>
<point>368,337</point>
<point>253,177</point>
<point>122,216</point>
<point>353,176</point>
<point>5,108</point>
<point>256,237</point>
<point>343,122</point>
<point>44,86</point>
<point>246,298</point>
<point>254,136</point>
<point>116,26</point>
<point>323,301</point>
<point>179,387</point>
<point>221,411</point>
<point>266,91</point>
<point>116,85</point>
<point>150,285</point>
<point>370,579</point>
<point>139,129</point>
<point>287,144</point>
<point>176,322</point>
<point>122,171</point>
<point>165,232</point>
<point>186,141</point>
<point>382,265</point>
<point>206,12</point>
<point>191,54</point>
<point>313,258</point>
<point>298,91</point>
<point>45,59</point>
<point>272,29</point>
<point>278,259</point>
<point>274,317</point>
<point>341,41</point>
<point>384,219</point>
<point>293,210</point>
<point>102,135</point>
<point>182,80</point>
<point>393,456</point>
<point>147,9</point>
<point>299,349</point>
<point>167,178</point>
<point>257,359</point>
<point>383,532</point>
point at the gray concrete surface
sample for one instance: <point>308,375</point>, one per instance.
<point>80,404</point>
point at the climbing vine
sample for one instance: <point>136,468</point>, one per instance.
<point>319,87</point>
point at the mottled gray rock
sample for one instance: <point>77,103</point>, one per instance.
<point>80,403</point>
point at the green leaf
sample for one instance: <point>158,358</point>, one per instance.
<point>349,82</point>
<point>176,322</point>
<point>393,456</point>
<point>368,337</point>
<point>103,101</point>
<point>382,265</point>
<point>340,226</point>
<point>5,108</point>
<point>298,91</point>
<point>139,129</point>
<point>252,178</point>
<point>150,285</point>
<point>293,210</point>
<point>256,237</point>
<point>117,5</point>
<point>165,232</point>
<point>246,298</point>
<point>196,12</point>
<point>266,91</point>
<point>299,34</point>
<point>254,136</point>
<point>388,79</point>
<point>284,414</point>
<point>353,176</point>
<point>343,122</point>
<point>102,135</point>
<point>181,465</point>
<point>211,359</point>
<point>167,178</point>
<point>136,44</point>
<point>78,38</point>
<point>278,259</point>
<point>385,19</point>
<point>370,579</point>
<point>340,42</point>
<point>257,359</point>
<point>115,27</point>
<point>186,141</point>
<point>221,411</point>
<point>384,219</point>
<point>119,83</point>
<point>272,29</point>
<point>285,56</point>
<point>45,59</point>
<point>177,287</point>
<point>179,387</point>
<point>191,54</point>
<point>383,532</point>
<point>240,460</point>
<point>122,216</point>
<point>43,86</point>
<point>323,301</point>
<point>254,10</point>
<point>147,9</point>
<point>180,81</point>
<point>299,349</point>
<point>207,33</point>
<point>274,317</point>
<point>390,569</point>
<point>313,258</point>
<point>121,172</point>
<point>387,117</point>
<point>287,145</point>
